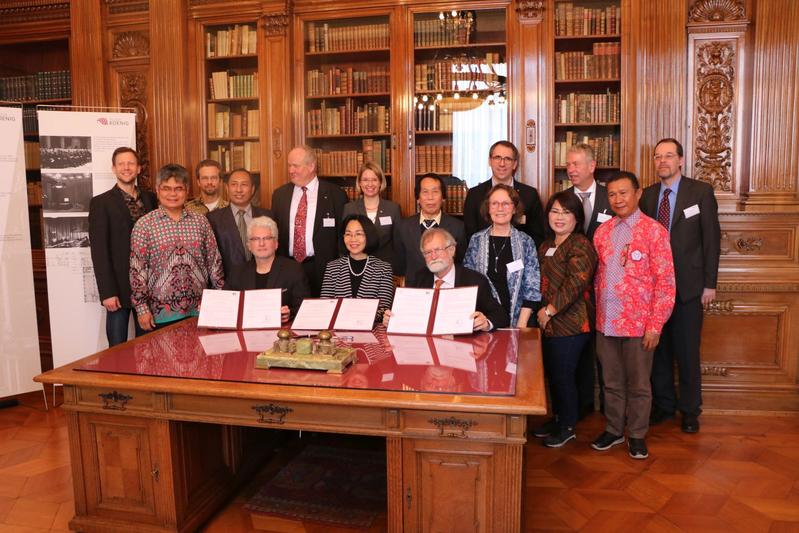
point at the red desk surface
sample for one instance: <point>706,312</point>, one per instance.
<point>483,363</point>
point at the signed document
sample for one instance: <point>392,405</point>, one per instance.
<point>315,314</point>
<point>261,309</point>
<point>410,312</point>
<point>455,307</point>
<point>219,309</point>
<point>356,314</point>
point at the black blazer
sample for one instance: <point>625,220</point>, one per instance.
<point>408,234</point>
<point>695,241</point>
<point>226,231</point>
<point>110,225</point>
<point>330,204</point>
<point>386,208</point>
<point>286,274</point>
<point>601,205</point>
<point>533,224</point>
<point>465,277</point>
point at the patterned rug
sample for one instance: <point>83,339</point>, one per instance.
<point>339,486</point>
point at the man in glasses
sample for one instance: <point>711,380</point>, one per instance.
<point>209,178</point>
<point>634,285</point>
<point>687,208</point>
<point>112,215</point>
<point>503,158</point>
<point>437,246</point>
<point>230,223</point>
<point>173,255</point>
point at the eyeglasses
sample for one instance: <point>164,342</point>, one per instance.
<point>209,178</point>
<point>502,159</point>
<point>497,205</point>
<point>435,252</point>
<point>560,212</point>
<point>261,240</point>
<point>354,235</point>
<point>167,189</point>
<point>661,157</point>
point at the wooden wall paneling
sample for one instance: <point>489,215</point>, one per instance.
<point>716,97</point>
<point>402,124</point>
<point>659,44</point>
<point>168,67</point>
<point>86,53</point>
<point>774,170</point>
<point>26,21</point>
<point>531,40</point>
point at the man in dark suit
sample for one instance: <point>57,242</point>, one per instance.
<point>688,209</point>
<point>430,194</point>
<point>438,249</point>
<point>308,213</point>
<point>503,158</point>
<point>112,215</point>
<point>580,167</point>
<point>230,223</point>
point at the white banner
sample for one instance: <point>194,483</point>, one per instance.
<point>19,337</point>
<point>76,149</point>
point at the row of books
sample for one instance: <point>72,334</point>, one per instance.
<point>240,39</point>
<point>322,37</point>
<point>434,158</point>
<point>35,193</point>
<point>347,80</point>
<point>456,196</point>
<point>603,63</point>
<point>571,20</point>
<point>606,148</point>
<point>438,117</point>
<point>436,32</point>
<point>226,84</point>
<point>224,123</point>
<point>445,74</point>
<point>348,118</point>
<point>30,121</point>
<point>32,155</point>
<point>50,85</point>
<point>231,156</point>
<point>348,162</point>
<point>588,108</point>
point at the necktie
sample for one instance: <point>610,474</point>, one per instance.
<point>664,210</point>
<point>587,209</point>
<point>243,233</point>
<point>438,283</point>
<point>429,223</point>
<point>299,227</point>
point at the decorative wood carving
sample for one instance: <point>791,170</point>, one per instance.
<point>717,11</point>
<point>130,44</point>
<point>714,371</point>
<point>718,307</point>
<point>530,10</point>
<point>33,10</point>
<point>126,6</point>
<point>133,93</point>
<point>276,23</point>
<point>757,287</point>
<point>753,244</point>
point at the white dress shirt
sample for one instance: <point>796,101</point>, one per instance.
<point>313,195</point>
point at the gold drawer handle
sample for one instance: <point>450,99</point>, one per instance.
<point>115,401</point>
<point>271,413</point>
<point>452,422</point>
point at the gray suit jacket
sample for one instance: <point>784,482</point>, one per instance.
<point>386,208</point>
<point>226,231</point>
<point>601,205</point>
<point>407,235</point>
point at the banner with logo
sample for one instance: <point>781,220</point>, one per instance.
<point>19,337</point>
<point>76,149</point>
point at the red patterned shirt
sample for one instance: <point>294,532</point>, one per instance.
<point>171,262</point>
<point>634,280</point>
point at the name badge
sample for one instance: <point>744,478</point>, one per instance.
<point>691,211</point>
<point>636,255</point>
<point>550,252</point>
<point>602,217</point>
<point>329,222</point>
<point>385,221</point>
<point>514,266</point>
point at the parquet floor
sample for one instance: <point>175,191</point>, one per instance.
<point>740,473</point>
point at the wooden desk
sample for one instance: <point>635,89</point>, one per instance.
<point>159,430</point>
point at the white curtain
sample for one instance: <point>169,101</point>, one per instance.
<point>473,133</point>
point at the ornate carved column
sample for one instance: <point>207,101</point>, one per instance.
<point>714,149</point>
<point>168,67</point>
<point>86,53</point>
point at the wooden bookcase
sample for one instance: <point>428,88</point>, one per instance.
<point>588,88</point>
<point>347,95</point>
<point>232,118</point>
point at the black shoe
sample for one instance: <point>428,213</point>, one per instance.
<point>658,415</point>
<point>690,424</point>
<point>560,437</point>
<point>637,448</point>
<point>546,429</point>
<point>606,441</point>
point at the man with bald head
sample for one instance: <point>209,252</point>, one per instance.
<point>308,213</point>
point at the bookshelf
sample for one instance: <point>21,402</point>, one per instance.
<point>31,74</point>
<point>588,86</point>
<point>232,116</point>
<point>459,86</point>
<point>346,96</point>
